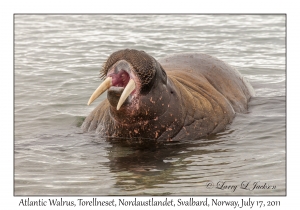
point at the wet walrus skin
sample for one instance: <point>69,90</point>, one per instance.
<point>183,96</point>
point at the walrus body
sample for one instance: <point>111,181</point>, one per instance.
<point>183,96</point>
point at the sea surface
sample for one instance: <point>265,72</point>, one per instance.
<point>57,59</point>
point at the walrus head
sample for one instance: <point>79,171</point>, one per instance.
<point>135,82</point>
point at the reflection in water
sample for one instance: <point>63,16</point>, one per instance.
<point>145,165</point>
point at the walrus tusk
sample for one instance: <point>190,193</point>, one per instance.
<point>128,89</point>
<point>107,83</point>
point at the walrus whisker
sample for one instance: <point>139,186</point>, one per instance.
<point>107,83</point>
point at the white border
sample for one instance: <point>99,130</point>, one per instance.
<point>8,8</point>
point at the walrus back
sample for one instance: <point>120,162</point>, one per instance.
<point>221,76</point>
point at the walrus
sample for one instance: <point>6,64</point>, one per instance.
<point>182,96</point>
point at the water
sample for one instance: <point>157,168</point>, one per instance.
<point>57,63</point>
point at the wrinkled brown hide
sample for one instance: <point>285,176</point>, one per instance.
<point>199,96</point>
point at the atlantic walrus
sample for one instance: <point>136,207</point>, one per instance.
<point>183,96</point>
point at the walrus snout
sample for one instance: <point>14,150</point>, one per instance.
<point>114,94</point>
<point>142,64</point>
<point>124,92</point>
<point>121,74</point>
